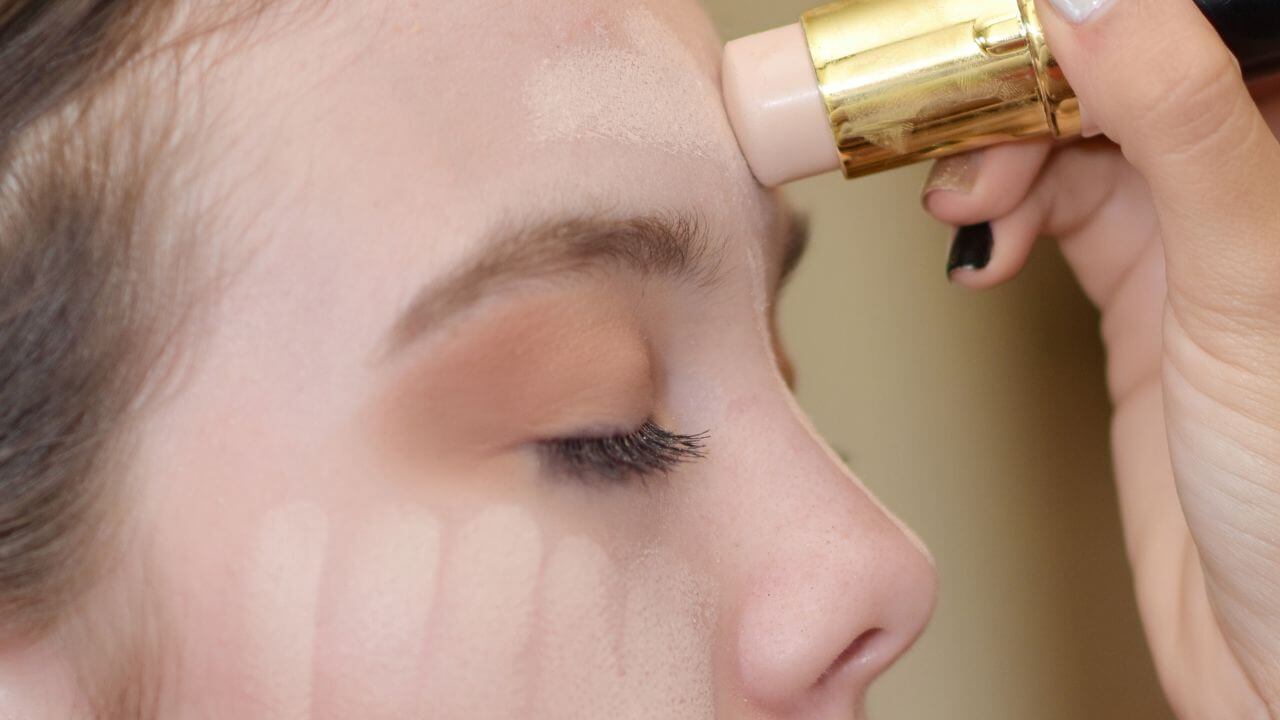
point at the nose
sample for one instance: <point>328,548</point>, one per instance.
<point>837,589</point>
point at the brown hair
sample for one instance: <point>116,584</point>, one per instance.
<point>94,287</point>
<point>76,183</point>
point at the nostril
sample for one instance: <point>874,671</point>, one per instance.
<point>859,652</point>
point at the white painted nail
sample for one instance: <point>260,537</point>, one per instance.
<point>1077,11</point>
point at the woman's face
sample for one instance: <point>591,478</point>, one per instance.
<point>481,416</point>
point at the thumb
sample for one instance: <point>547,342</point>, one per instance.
<point>1156,78</point>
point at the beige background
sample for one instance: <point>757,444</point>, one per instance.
<point>982,421</point>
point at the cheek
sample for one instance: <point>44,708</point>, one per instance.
<point>281,593</point>
<point>515,621</point>
<point>406,612</point>
<point>636,639</point>
<point>483,626</point>
<point>580,663</point>
<point>380,598</point>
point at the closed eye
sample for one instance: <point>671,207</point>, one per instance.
<point>646,452</point>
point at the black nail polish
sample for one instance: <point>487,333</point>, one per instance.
<point>971,248</point>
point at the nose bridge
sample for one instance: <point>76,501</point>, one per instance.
<point>789,479</point>
<point>835,588</point>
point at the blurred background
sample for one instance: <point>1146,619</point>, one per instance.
<point>982,421</point>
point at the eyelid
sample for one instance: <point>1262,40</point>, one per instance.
<point>648,451</point>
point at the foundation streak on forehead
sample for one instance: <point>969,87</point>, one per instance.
<point>637,84</point>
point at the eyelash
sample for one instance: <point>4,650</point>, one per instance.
<point>646,452</point>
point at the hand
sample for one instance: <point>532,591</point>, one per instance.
<point>1172,224</point>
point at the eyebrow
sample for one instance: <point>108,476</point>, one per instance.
<point>672,246</point>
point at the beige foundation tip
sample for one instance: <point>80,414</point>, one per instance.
<point>772,98</point>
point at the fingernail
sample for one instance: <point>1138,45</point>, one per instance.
<point>971,248</point>
<point>1077,11</point>
<point>1088,128</point>
<point>958,173</point>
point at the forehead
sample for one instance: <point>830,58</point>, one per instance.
<point>499,109</point>
<point>360,151</point>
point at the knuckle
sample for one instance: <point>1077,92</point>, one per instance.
<point>1196,102</point>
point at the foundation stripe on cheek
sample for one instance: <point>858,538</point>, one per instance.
<point>480,632</point>
<point>667,642</point>
<point>281,593</point>
<point>580,617</point>
<point>374,640</point>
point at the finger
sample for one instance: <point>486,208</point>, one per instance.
<point>1156,78</point>
<point>985,184</point>
<point>1081,188</point>
<point>977,262</point>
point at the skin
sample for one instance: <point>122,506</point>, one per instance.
<point>1170,224</point>
<point>328,529</point>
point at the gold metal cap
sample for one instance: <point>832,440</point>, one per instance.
<point>906,81</point>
